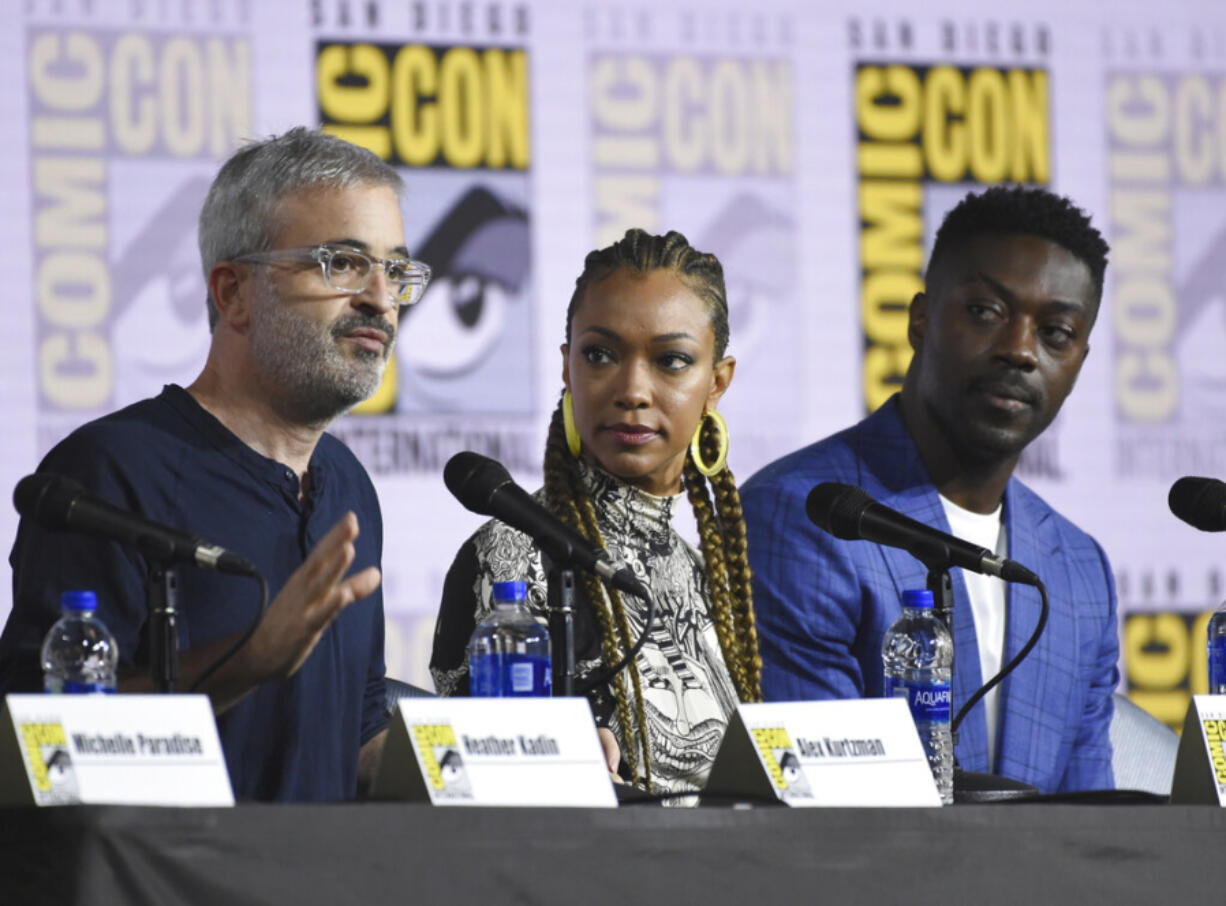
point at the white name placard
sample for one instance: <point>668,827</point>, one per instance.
<point>846,753</point>
<point>494,751</point>
<point>1200,765</point>
<point>111,750</point>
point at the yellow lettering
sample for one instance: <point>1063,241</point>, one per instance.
<point>945,141</point>
<point>415,121</point>
<point>987,115</point>
<point>888,104</point>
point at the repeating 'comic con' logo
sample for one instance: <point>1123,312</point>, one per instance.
<point>1167,169</point>
<point>456,118</point>
<point>918,127</point>
<point>125,131</point>
<point>704,144</point>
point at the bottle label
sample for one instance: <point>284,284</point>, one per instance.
<point>499,676</point>
<point>1217,666</point>
<point>57,686</point>
<point>929,702</point>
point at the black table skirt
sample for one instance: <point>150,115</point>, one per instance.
<point>397,853</point>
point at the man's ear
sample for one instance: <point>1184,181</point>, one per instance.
<point>720,379</point>
<point>917,320</point>
<point>229,287</point>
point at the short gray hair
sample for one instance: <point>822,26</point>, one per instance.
<point>240,212</point>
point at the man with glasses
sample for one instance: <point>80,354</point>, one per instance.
<point>302,244</point>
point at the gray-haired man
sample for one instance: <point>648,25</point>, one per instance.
<point>302,244</point>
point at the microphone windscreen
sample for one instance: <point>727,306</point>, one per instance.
<point>473,479</point>
<point>837,508</point>
<point>1200,502</point>
<point>46,499</point>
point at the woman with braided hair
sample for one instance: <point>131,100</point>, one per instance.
<point>643,365</point>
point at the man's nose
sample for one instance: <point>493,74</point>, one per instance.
<point>1017,343</point>
<point>378,291</point>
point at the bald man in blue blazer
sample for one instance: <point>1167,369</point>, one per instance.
<point>999,336</point>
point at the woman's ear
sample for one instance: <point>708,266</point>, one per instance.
<point>720,379</point>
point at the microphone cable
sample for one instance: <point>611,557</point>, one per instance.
<point>1008,668</point>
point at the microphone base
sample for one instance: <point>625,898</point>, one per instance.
<point>971,787</point>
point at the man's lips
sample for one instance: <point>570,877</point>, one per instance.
<point>368,338</point>
<point>1009,395</point>
<point>631,434</point>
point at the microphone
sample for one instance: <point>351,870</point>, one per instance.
<point>1200,502</point>
<point>484,486</point>
<point>56,502</point>
<point>847,512</point>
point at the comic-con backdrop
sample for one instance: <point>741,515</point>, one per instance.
<point>813,147</point>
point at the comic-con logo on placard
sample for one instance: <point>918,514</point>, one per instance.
<point>456,118</point>
<point>49,763</point>
<point>782,763</point>
<point>1167,191</point>
<point>687,135</point>
<point>125,131</point>
<point>440,758</point>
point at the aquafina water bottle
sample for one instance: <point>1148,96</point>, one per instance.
<point>1215,644</point>
<point>79,653</point>
<point>508,654</point>
<point>918,655</point>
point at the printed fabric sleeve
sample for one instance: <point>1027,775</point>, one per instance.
<point>455,624</point>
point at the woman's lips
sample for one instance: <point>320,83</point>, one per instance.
<point>632,435</point>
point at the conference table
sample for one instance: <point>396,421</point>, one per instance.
<point>1113,851</point>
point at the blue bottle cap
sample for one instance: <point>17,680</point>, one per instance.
<point>917,597</point>
<point>79,600</point>
<point>511,591</point>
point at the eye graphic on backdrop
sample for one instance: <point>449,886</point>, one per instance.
<point>160,327</point>
<point>480,252</point>
<point>755,243</point>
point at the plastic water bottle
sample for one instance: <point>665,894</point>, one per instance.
<point>79,653</point>
<point>918,654</point>
<point>1216,645</point>
<point>508,654</point>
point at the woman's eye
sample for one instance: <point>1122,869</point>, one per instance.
<point>597,355</point>
<point>676,361</point>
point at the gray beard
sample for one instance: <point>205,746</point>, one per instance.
<point>315,381</point>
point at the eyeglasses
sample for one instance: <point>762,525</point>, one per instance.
<point>348,270</point>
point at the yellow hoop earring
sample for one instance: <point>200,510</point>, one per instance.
<point>568,424</point>
<point>696,453</point>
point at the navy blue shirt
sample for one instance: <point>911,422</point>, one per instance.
<point>166,458</point>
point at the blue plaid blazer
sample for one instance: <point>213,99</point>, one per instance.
<point>823,605</point>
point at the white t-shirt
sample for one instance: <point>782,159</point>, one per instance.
<point>987,594</point>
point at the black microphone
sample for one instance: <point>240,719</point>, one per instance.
<point>847,512</point>
<point>1200,502</point>
<point>484,486</point>
<point>56,502</point>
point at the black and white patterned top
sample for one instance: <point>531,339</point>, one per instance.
<point>687,691</point>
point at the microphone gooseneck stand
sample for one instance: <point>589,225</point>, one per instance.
<point>161,597</point>
<point>561,595</point>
